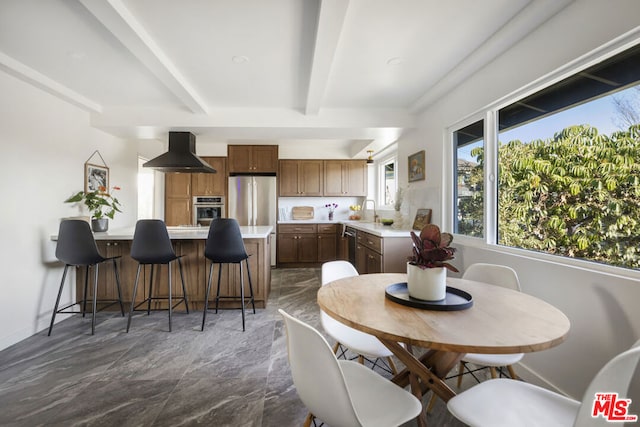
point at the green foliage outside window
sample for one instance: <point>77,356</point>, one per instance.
<point>576,195</point>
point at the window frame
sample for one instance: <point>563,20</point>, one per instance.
<point>381,178</point>
<point>490,114</point>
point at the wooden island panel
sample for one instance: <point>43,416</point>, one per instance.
<point>195,269</point>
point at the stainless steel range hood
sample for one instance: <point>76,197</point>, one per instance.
<point>181,156</point>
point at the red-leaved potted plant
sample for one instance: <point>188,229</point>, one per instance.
<point>426,269</point>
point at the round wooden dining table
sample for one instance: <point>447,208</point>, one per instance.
<point>500,321</point>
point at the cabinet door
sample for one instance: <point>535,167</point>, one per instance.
<point>307,248</point>
<point>310,177</point>
<point>355,175</point>
<point>177,184</point>
<point>373,262</point>
<point>211,184</point>
<point>288,178</point>
<point>239,158</point>
<point>327,244</point>
<point>361,259</point>
<point>333,178</point>
<point>177,211</point>
<point>265,158</point>
<point>287,248</point>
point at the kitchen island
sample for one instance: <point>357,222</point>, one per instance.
<point>189,242</point>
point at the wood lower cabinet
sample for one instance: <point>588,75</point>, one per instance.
<point>306,245</point>
<point>376,254</point>
<point>327,242</point>
<point>252,158</point>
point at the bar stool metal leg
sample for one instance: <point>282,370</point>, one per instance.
<point>184,288</point>
<point>253,304</point>
<point>115,268</point>
<point>133,297</point>
<point>150,290</point>
<point>242,293</point>
<point>95,300</point>
<point>218,291</point>
<point>206,296</point>
<point>55,308</point>
<point>84,295</point>
<point>170,302</point>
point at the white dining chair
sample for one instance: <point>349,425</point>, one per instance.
<point>499,275</point>
<point>342,393</point>
<point>506,403</point>
<point>364,345</point>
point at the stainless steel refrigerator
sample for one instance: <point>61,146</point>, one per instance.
<point>252,201</point>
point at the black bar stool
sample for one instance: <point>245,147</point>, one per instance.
<point>76,247</point>
<point>152,246</point>
<point>225,246</point>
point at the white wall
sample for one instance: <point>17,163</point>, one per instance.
<point>44,143</point>
<point>601,306</point>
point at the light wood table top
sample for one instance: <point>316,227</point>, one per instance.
<point>500,320</point>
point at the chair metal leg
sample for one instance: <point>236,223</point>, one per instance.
<point>218,291</point>
<point>206,296</point>
<point>150,289</point>
<point>95,300</point>
<point>170,291</point>
<point>115,268</point>
<point>84,295</point>
<point>55,307</point>
<point>253,304</point>
<point>184,288</point>
<point>242,293</point>
<point>133,297</point>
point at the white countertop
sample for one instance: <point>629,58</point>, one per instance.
<point>183,233</point>
<point>369,227</point>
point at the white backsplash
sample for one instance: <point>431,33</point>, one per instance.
<point>321,213</point>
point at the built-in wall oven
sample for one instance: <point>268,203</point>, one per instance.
<point>206,209</point>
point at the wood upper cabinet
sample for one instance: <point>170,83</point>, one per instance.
<point>301,178</point>
<point>177,184</point>
<point>345,178</point>
<point>252,158</point>
<point>211,184</point>
<point>177,198</point>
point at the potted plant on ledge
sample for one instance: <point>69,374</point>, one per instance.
<point>101,204</point>
<point>427,268</point>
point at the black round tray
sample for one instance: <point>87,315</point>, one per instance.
<point>455,299</point>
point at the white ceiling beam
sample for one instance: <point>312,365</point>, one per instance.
<point>31,76</point>
<point>530,17</point>
<point>331,18</point>
<point>117,19</point>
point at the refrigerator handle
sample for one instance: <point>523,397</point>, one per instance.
<point>254,204</point>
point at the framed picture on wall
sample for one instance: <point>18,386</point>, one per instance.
<point>423,217</point>
<point>95,176</point>
<point>416,166</point>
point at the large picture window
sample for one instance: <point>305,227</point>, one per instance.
<point>569,166</point>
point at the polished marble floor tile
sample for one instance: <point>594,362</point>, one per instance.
<point>152,377</point>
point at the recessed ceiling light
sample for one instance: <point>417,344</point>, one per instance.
<point>239,59</point>
<point>394,61</point>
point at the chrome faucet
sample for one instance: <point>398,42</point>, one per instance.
<point>375,214</point>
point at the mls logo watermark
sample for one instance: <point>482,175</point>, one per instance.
<point>612,408</point>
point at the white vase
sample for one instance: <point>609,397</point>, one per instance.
<point>429,284</point>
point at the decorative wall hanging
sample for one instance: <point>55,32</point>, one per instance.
<point>95,176</point>
<point>416,166</point>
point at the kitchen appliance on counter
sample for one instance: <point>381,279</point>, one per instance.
<point>206,209</point>
<point>252,201</point>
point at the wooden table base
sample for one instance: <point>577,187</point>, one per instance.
<point>424,373</point>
